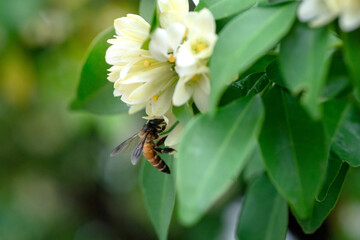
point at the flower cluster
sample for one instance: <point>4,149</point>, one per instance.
<point>321,12</point>
<point>174,68</point>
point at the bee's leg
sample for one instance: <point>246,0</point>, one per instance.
<point>161,141</point>
<point>164,150</point>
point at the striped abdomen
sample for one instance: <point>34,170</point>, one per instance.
<point>153,158</point>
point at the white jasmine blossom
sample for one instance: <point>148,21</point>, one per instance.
<point>165,42</point>
<point>160,104</point>
<point>173,70</point>
<point>138,77</point>
<point>192,58</point>
<point>197,87</point>
<point>131,33</point>
<point>321,12</point>
<point>174,136</point>
<point>171,11</point>
<point>190,47</point>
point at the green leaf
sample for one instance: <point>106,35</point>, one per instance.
<point>338,81</point>
<point>332,170</point>
<point>261,64</point>
<point>225,8</point>
<point>152,18</point>
<point>159,194</point>
<point>248,86</point>
<point>254,166</point>
<point>352,54</point>
<point>304,61</point>
<point>294,148</point>
<point>347,139</point>
<point>243,41</point>
<point>95,92</point>
<point>280,1</point>
<point>322,209</point>
<point>264,214</point>
<point>183,113</point>
<point>274,74</point>
<point>334,113</point>
<point>147,9</point>
<point>212,152</point>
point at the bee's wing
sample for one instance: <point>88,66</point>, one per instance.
<point>124,146</point>
<point>138,151</point>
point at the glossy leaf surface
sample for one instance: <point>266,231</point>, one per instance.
<point>322,209</point>
<point>352,53</point>
<point>347,139</point>
<point>247,86</point>
<point>294,148</point>
<point>95,92</point>
<point>212,152</point>
<point>225,8</point>
<point>304,63</point>
<point>264,213</point>
<point>248,36</point>
<point>159,194</point>
<point>334,114</point>
<point>254,166</point>
<point>332,171</point>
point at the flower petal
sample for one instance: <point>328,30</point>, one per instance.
<point>135,108</point>
<point>200,22</point>
<point>309,9</point>
<point>163,103</point>
<point>201,99</point>
<point>349,21</point>
<point>176,33</point>
<point>174,136</point>
<point>171,11</point>
<point>185,60</point>
<point>182,93</point>
<point>159,45</point>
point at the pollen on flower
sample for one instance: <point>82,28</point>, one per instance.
<point>155,98</point>
<point>147,63</point>
<point>171,58</point>
<point>195,78</point>
<point>200,47</point>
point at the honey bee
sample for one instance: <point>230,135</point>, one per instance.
<point>147,136</point>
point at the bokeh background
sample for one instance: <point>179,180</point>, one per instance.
<point>56,178</point>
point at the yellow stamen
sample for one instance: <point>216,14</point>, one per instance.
<point>155,98</point>
<point>171,58</point>
<point>195,78</point>
<point>200,47</point>
<point>147,63</point>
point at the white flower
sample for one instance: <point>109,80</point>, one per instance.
<point>131,33</point>
<point>174,136</point>
<point>321,12</point>
<point>147,81</point>
<point>165,43</point>
<point>197,87</point>
<point>192,58</point>
<point>138,77</point>
<point>172,71</point>
<point>200,42</point>
<point>160,104</point>
<point>171,11</point>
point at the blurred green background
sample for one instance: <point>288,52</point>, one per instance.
<point>56,178</point>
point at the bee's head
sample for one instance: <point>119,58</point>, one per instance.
<point>155,122</point>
